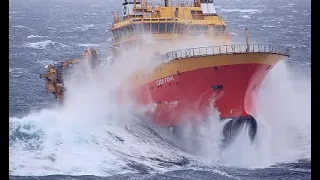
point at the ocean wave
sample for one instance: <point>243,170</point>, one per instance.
<point>45,44</point>
<point>246,16</point>
<point>300,46</point>
<point>15,12</point>
<point>94,5</point>
<point>54,144</point>
<point>89,45</point>
<point>306,14</point>
<point>286,6</point>
<point>251,11</point>
<point>300,63</point>
<point>268,26</point>
<point>36,36</point>
<point>20,26</point>
<point>51,28</point>
<point>85,27</point>
<point>16,72</point>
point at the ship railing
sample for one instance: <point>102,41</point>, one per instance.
<point>228,49</point>
<point>204,16</point>
<point>181,3</point>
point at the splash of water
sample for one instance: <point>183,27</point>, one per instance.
<point>284,126</point>
<point>284,117</point>
<point>92,134</point>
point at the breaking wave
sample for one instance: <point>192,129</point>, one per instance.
<point>250,11</point>
<point>85,27</point>
<point>89,45</point>
<point>36,36</point>
<point>46,44</point>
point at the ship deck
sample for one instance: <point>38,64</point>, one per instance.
<point>219,50</point>
<point>228,49</point>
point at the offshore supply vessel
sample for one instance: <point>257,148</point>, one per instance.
<point>189,80</point>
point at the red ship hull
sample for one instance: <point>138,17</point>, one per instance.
<point>202,83</point>
<point>227,88</point>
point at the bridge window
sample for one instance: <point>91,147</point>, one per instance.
<point>118,33</point>
<point>130,28</point>
<point>206,1</point>
<point>197,15</point>
<point>191,28</point>
<point>197,28</point>
<point>121,32</point>
<point>154,27</point>
<point>146,27</point>
<point>176,28</point>
<point>196,12</point>
<point>114,32</point>
<point>180,28</point>
<point>201,28</point>
<point>219,29</point>
<point>162,28</point>
<point>205,28</point>
<point>170,27</point>
<point>137,28</point>
<point>126,31</point>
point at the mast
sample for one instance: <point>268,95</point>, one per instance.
<point>166,3</point>
<point>196,3</point>
<point>247,40</point>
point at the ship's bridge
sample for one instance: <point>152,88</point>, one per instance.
<point>178,17</point>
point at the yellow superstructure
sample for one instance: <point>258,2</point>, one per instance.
<point>176,22</point>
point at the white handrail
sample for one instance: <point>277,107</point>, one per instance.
<point>228,49</point>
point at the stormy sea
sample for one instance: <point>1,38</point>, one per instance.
<point>93,137</point>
